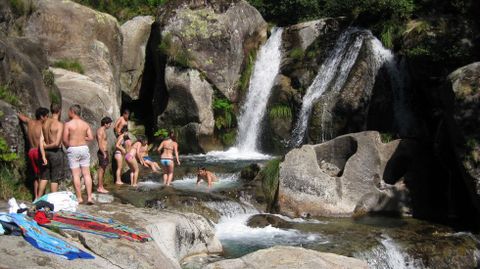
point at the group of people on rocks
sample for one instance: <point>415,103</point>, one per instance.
<point>47,136</point>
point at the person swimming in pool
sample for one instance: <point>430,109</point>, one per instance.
<point>147,160</point>
<point>167,149</point>
<point>204,175</point>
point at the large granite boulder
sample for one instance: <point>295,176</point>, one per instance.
<point>136,33</point>
<point>190,103</point>
<point>72,32</point>
<point>10,128</point>
<point>282,257</point>
<point>330,179</point>
<point>214,37</point>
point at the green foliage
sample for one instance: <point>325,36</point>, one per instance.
<point>280,112</point>
<point>269,175</point>
<point>48,78</point>
<point>162,133</point>
<point>9,187</point>
<point>228,138</point>
<point>224,114</point>
<point>9,96</point>
<point>21,7</point>
<point>124,10</point>
<point>69,64</point>
<point>297,54</point>
<point>247,73</point>
<point>6,156</point>
<point>285,12</point>
<point>386,137</point>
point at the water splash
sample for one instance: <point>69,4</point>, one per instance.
<point>389,255</point>
<point>266,69</point>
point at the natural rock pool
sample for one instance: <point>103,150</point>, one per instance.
<point>243,227</point>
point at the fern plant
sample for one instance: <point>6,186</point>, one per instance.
<point>280,112</point>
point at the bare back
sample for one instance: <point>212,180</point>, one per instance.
<point>34,132</point>
<point>119,124</point>
<point>53,130</point>
<point>169,147</point>
<point>77,133</point>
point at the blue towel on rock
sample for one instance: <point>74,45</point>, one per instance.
<point>38,238</point>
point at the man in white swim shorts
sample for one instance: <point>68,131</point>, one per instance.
<point>76,134</point>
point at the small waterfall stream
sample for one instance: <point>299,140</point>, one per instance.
<point>266,69</point>
<point>332,74</point>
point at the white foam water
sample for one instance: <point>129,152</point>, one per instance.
<point>389,255</point>
<point>224,181</point>
<point>265,70</point>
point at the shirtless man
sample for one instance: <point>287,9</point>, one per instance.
<point>76,134</point>
<point>102,153</point>
<point>36,140</point>
<point>121,122</point>
<point>53,131</point>
<point>204,175</point>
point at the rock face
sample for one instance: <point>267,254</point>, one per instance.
<point>190,104</point>
<point>69,31</point>
<point>27,85</point>
<point>330,179</point>
<point>213,38</point>
<point>135,36</point>
<point>176,235</point>
<point>289,257</point>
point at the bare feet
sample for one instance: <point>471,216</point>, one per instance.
<point>80,201</point>
<point>102,190</point>
<point>119,183</point>
<point>90,203</point>
<point>134,185</point>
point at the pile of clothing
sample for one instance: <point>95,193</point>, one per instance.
<point>58,211</point>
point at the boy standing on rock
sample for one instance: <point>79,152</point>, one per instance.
<point>76,134</point>
<point>102,153</point>
<point>36,140</point>
<point>53,131</point>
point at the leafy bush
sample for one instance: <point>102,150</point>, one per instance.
<point>162,133</point>
<point>280,112</point>
<point>228,138</point>
<point>386,137</point>
<point>69,64</point>
<point>269,175</point>
<point>8,96</point>
<point>247,73</point>
<point>224,114</point>
<point>124,10</point>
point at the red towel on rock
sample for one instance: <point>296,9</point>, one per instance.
<point>41,218</point>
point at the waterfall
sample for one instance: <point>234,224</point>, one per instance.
<point>389,255</point>
<point>266,69</point>
<point>332,74</point>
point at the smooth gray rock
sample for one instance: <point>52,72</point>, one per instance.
<point>103,198</point>
<point>135,36</point>
<point>282,257</point>
<point>307,189</point>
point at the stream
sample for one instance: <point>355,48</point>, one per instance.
<point>380,241</point>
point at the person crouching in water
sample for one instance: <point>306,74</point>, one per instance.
<point>122,145</point>
<point>167,149</point>
<point>204,175</point>
<point>147,160</point>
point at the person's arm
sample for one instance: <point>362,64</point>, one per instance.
<point>57,141</point>
<point>23,118</point>
<point>119,146</point>
<point>199,179</point>
<point>138,145</point>
<point>100,139</point>
<point>66,134</point>
<point>176,153</point>
<point>160,147</point>
<point>42,149</point>
<point>89,134</point>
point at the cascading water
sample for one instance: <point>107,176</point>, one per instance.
<point>389,256</point>
<point>332,74</point>
<point>265,70</point>
<point>264,73</point>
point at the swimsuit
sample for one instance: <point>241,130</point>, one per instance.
<point>128,156</point>
<point>165,161</point>
<point>147,158</point>
<point>34,157</point>
<point>102,161</point>
<point>78,156</point>
<point>55,169</point>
